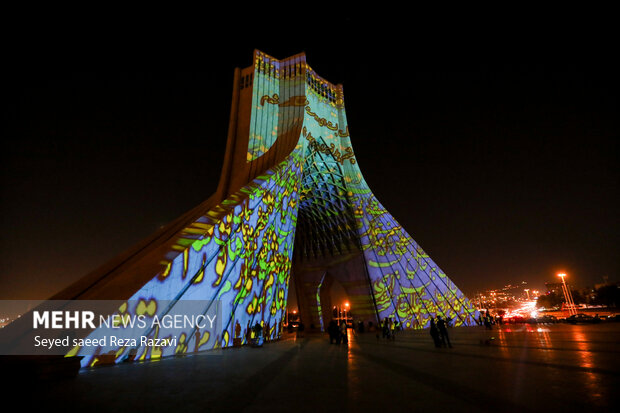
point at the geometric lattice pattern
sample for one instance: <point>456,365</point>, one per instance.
<point>339,212</point>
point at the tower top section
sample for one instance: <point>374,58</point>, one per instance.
<point>294,67</point>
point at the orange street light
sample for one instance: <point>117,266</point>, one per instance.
<point>568,297</point>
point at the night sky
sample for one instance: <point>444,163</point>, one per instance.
<point>499,159</point>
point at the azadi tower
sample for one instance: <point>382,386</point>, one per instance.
<point>291,202</point>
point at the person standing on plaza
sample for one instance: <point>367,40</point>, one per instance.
<point>435,333</point>
<point>487,321</point>
<point>333,331</point>
<point>385,328</point>
<point>343,332</point>
<point>441,326</point>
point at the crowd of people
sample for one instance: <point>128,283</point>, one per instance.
<point>439,332</point>
<point>388,329</point>
<point>487,320</point>
<point>337,332</point>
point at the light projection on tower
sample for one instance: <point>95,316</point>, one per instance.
<point>292,202</point>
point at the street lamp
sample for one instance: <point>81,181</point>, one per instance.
<point>568,297</point>
<point>527,290</point>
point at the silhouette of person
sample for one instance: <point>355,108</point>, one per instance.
<point>386,328</point>
<point>441,326</point>
<point>258,335</point>
<point>435,333</point>
<point>266,332</point>
<point>487,321</point>
<point>333,331</point>
<point>343,332</point>
<point>237,330</point>
<point>248,333</point>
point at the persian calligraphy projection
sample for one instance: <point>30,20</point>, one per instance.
<point>291,204</point>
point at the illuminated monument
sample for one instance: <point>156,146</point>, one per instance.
<point>291,202</point>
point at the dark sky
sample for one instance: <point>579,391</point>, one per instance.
<point>499,158</point>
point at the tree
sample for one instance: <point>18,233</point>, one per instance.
<point>549,300</point>
<point>578,297</point>
<point>608,295</point>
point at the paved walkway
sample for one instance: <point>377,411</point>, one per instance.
<point>524,368</point>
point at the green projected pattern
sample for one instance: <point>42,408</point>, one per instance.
<point>338,213</point>
<point>314,200</point>
<point>239,254</point>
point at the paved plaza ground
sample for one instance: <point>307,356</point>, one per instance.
<point>547,368</point>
